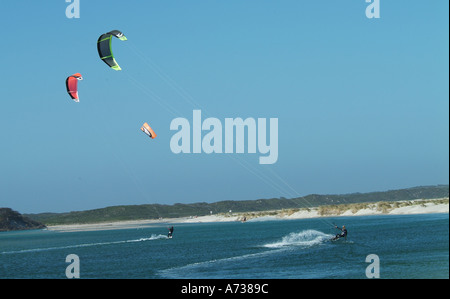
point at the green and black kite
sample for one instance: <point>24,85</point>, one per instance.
<point>105,50</point>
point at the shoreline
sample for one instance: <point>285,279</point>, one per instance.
<point>419,206</point>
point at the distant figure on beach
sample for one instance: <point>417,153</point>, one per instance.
<point>170,232</point>
<point>343,233</point>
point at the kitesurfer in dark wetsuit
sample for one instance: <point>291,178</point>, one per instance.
<point>343,233</point>
<point>170,232</point>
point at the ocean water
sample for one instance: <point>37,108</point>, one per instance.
<point>408,246</point>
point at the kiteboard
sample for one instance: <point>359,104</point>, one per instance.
<point>336,239</point>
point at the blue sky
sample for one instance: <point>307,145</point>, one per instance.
<point>362,103</point>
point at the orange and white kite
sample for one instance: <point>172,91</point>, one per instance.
<point>149,131</point>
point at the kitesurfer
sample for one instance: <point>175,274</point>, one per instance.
<point>343,233</point>
<point>170,232</point>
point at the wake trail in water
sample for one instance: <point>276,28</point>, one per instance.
<point>151,238</point>
<point>299,240</point>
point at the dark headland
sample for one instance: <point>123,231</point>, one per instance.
<point>11,220</point>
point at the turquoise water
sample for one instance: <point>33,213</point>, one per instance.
<point>408,246</point>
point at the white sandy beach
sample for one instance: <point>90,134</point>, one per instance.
<point>417,207</point>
